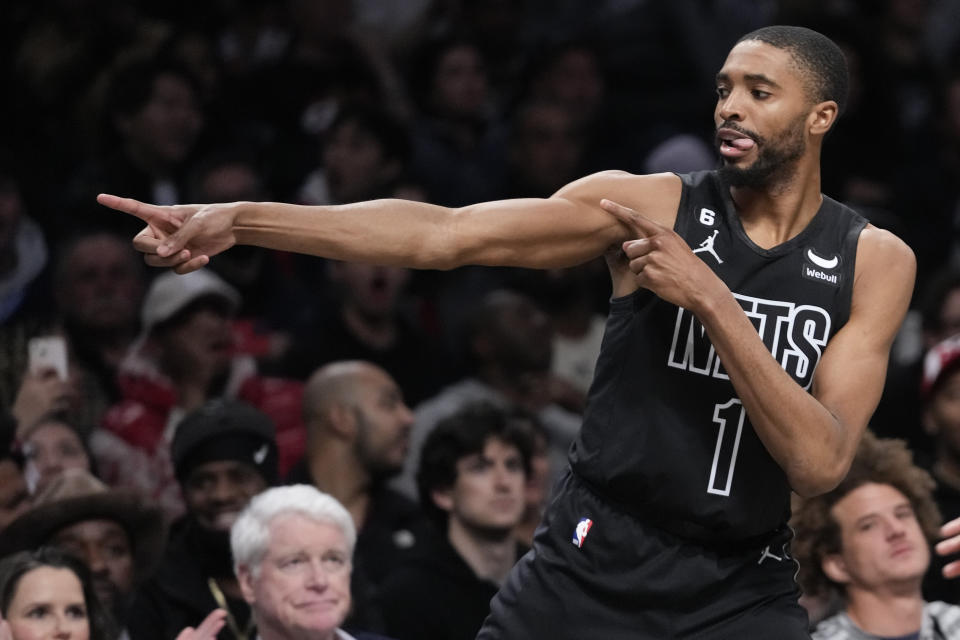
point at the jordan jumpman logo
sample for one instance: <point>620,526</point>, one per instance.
<point>707,245</point>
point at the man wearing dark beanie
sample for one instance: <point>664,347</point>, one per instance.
<point>224,453</point>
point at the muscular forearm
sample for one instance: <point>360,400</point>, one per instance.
<point>533,233</point>
<point>804,438</point>
<point>393,232</point>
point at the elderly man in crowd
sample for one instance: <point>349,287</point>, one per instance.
<point>292,548</point>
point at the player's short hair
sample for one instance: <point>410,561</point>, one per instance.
<point>878,460</point>
<point>820,61</point>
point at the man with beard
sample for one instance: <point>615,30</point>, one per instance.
<point>358,427</point>
<point>223,454</point>
<point>744,354</point>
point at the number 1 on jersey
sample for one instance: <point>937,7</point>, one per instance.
<point>728,442</point>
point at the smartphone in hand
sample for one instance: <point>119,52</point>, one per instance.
<point>48,352</point>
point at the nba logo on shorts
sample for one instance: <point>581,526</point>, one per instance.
<point>580,533</point>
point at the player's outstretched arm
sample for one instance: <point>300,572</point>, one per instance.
<point>813,436</point>
<point>566,229</point>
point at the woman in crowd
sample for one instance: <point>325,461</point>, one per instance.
<point>48,594</point>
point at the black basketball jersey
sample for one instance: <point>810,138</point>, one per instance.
<point>664,433</point>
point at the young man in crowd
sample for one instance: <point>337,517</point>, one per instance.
<point>472,480</point>
<point>869,540</point>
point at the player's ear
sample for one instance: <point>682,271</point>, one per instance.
<point>822,117</point>
<point>835,568</point>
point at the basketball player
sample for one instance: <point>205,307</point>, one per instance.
<point>727,377</point>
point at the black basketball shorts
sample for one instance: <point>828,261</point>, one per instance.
<point>598,572</point>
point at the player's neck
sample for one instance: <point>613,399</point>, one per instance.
<point>886,612</point>
<point>773,216</point>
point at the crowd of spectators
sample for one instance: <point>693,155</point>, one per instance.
<point>185,396</point>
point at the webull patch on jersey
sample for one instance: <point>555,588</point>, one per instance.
<point>580,533</point>
<point>821,269</point>
<point>816,274</point>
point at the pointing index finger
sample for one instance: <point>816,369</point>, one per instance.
<point>636,221</point>
<point>151,214</point>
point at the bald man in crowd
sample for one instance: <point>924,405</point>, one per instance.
<point>358,428</point>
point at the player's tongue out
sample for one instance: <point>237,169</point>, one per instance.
<point>734,144</point>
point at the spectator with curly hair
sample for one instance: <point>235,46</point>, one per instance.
<point>868,540</point>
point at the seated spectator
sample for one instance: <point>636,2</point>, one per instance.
<point>936,319</point>
<point>48,588</point>
<point>224,454</point>
<point>458,144</point>
<point>293,549</point>
<point>183,358</point>
<point>116,535</point>
<point>472,476</point>
<point>511,344</point>
<point>364,156</point>
<point>270,299</point>
<point>149,124</point>
<point>545,151</point>
<point>357,432</point>
<point>98,286</point>
<point>51,447</point>
<point>869,540</point>
<point>941,420</point>
<point>59,585</point>
<point>23,256</point>
<point>369,319</point>
<point>45,400</point>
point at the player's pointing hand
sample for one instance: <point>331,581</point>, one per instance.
<point>183,237</point>
<point>663,262</point>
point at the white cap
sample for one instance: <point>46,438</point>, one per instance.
<point>169,293</point>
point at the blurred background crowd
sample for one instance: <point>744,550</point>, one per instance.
<point>182,397</point>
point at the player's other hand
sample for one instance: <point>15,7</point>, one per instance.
<point>950,532</point>
<point>183,237</point>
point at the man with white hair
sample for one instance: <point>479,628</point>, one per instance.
<point>292,549</point>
